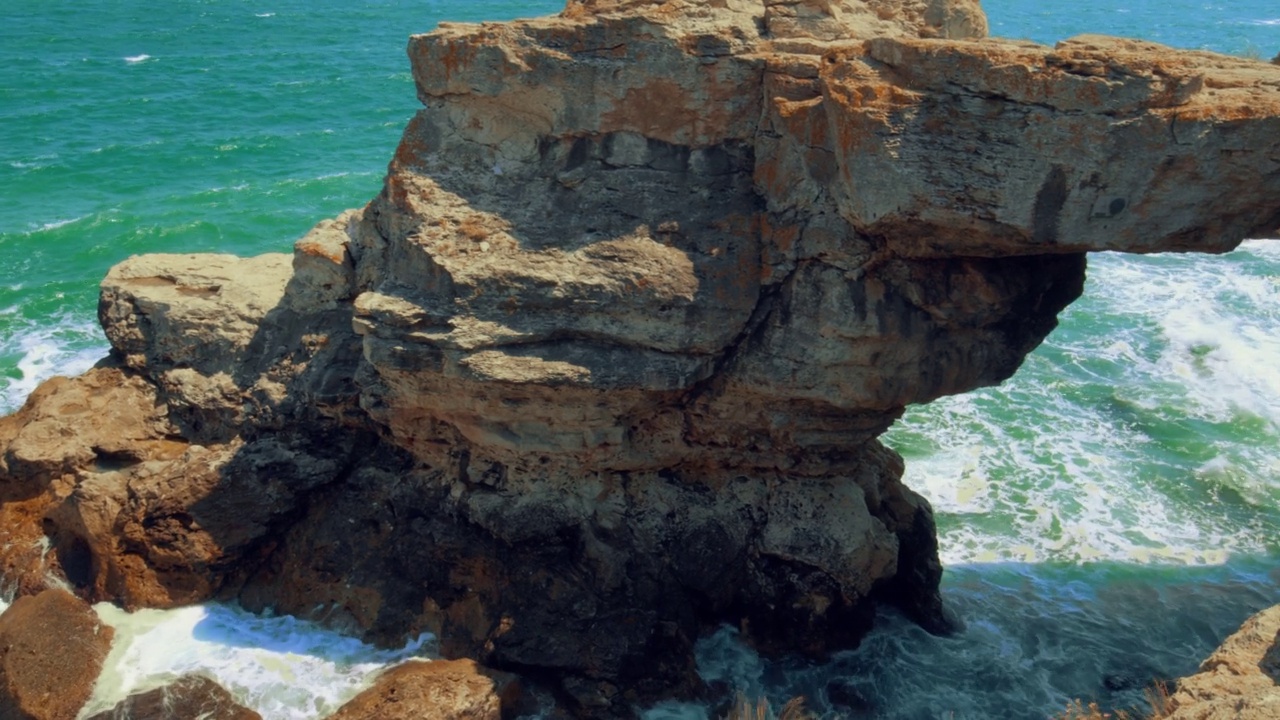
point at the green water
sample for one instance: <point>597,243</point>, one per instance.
<point>1112,509</point>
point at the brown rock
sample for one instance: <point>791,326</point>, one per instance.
<point>439,690</point>
<point>190,696</point>
<point>605,362</point>
<point>1240,680</point>
<point>51,650</point>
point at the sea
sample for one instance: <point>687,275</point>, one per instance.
<point>1106,517</point>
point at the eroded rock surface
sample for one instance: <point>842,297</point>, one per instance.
<point>604,363</point>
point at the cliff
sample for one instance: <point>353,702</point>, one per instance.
<point>605,362</point>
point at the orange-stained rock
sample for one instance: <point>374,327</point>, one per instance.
<point>51,650</point>
<point>438,690</point>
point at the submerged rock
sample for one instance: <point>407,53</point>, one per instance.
<point>51,650</point>
<point>605,362</point>
<point>190,696</point>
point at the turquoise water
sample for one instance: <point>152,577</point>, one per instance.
<point>1106,516</point>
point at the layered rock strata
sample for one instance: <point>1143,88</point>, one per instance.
<point>604,363</point>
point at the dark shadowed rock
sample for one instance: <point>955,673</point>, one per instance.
<point>51,650</point>
<point>190,697</point>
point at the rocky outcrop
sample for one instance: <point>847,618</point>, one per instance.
<point>51,650</point>
<point>1240,680</point>
<point>190,696</point>
<point>440,690</point>
<point>604,363</point>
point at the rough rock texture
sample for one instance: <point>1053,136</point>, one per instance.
<point>51,651</point>
<point>604,363</point>
<point>441,690</point>
<point>190,696</point>
<point>1240,680</point>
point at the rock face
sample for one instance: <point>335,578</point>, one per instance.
<point>51,651</point>
<point>1240,680</point>
<point>604,363</point>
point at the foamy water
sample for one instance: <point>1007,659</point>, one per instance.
<point>282,667</point>
<point>1154,409</point>
<point>44,350</point>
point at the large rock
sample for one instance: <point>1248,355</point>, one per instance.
<point>440,690</point>
<point>605,362</point>
<point>1240,680</point>
<point>51,650</point>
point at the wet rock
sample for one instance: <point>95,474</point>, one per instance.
<point>190,696</point>
<point>439,690</point>
<point>52,646</point>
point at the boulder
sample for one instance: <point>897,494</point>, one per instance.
<point>52,646</point>
<point>438,690</point>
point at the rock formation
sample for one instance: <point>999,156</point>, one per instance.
<point>605,362</point>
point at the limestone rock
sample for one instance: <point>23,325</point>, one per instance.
<point>190,696</point>
<point>51,650</point>
<point>1240,680</point>
<point>439,690</point>
<point>604,363</point>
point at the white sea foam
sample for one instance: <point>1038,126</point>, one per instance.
<point>1077,458</point>
<point>264,15</point>
<point>55,224</point>
<point>66,346</point>
<point>135,59</point>
<point>282,667</point>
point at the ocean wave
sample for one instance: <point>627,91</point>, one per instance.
<point>66,345</point>
<point>34,163</point>
<point>55,224</point>
<point>1141,431</point>
<point>135,59</point>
